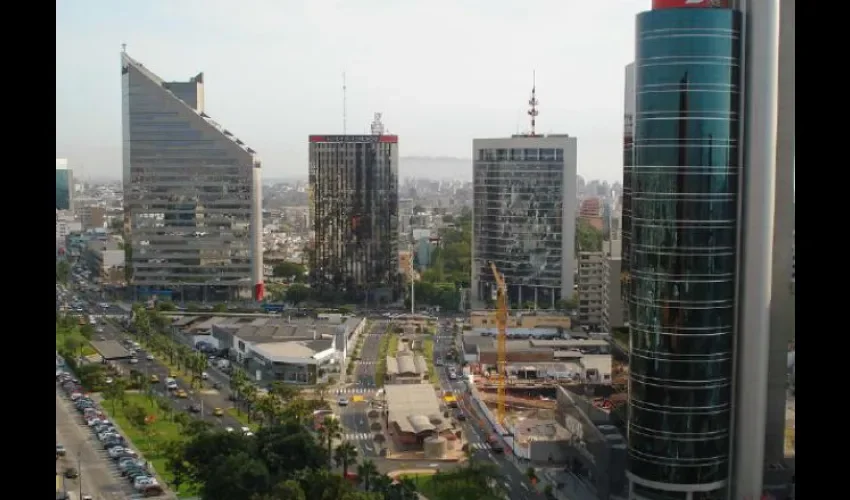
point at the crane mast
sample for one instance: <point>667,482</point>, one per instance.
<point>501,342</point>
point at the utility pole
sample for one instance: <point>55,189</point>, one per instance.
<point>80,472</point>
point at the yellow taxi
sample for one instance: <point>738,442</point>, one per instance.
<point>181,394</point>
<point>172,374</point>
<point>218,412</point>
<point>154,379</point>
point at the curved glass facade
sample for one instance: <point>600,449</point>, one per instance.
<point>683,244</point>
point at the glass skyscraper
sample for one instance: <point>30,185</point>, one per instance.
<point>683,251</point>
<point>64,185</point>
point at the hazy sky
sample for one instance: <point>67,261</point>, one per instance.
<point>443,72</point>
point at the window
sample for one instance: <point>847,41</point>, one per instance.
<point>242,346</point>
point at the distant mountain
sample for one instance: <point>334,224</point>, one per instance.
<point>435,167</point>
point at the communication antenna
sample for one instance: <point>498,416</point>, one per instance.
<point>533,102</point>
<point>124,47</point>
<point>344,106</point>
<point>377,126</point>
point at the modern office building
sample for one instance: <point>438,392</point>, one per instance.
<point>524,213</point>
<point>192,194</point>
<point>354,205</point>
<point>705,196</point>
<point>64,185</point>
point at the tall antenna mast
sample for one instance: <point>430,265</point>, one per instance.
<point>533,102</point>
<point>344,106</point>
<point>123,47</point>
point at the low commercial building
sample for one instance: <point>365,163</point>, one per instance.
<point>105,260</point>
<point>527,319</point>
<point>406,367</point>
<point>594,449</point>
<point>413,414</point>
<point>577,360</point>
<point>270,348</point>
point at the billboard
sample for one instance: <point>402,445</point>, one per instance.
<point>690,4</point>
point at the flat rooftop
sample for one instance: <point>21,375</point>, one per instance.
<point>110,349</point>
<point>274,351</point>
<point>414,407</point>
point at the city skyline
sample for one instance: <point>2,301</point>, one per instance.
<point>431,94</point>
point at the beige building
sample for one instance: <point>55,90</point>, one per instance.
<point>591,288</point>
<point>613,312</point>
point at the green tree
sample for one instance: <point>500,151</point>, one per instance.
<point>366,472</point>
<point>176,463</point>
<point>290,270</point>
<point>344,455</point>
<point>297,293</point>
<point>63,271</point>
<point>588,238</point>
<point>289,489</point>
<point>330,430</point>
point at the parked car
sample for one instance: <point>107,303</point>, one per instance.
<point>60,450</point>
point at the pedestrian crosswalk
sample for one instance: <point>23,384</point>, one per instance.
<point>356,436</point>
<point>356,390</point>
<point>367,363</point>
<point>478,446</point>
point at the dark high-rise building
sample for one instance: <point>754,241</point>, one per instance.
<point>706,186</point>
<point>354,211</point>
<point>64,185</point>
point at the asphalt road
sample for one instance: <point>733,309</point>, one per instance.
<point>98,473</point>
<point>514,481</point>
<point>354,417</point>
<point>207,398</point>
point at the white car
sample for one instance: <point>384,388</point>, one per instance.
<point>205,375</point>
<point>342,402</point>
<point>228,429</point>
<point>115,451</point>
<point>149,357</point>
<point>143,482</point>
<point>134,361</point>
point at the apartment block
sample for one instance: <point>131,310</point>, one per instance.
<point>591,289</point>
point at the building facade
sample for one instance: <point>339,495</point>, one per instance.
<point>524,212</point>
<point>192,194</point>
<point>64,185</point>
<point>354,206</point>
<point>626,203</point>
<point>684,231</point>
<point>591,289</point>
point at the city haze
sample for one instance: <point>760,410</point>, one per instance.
<point>274,73</point>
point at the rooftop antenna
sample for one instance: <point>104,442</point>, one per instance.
<point>533,102</point>
<point>377,126</point>
<point>124,48</point>
<point>344,106</point>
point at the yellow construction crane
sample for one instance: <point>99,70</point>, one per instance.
<point>501,349</point>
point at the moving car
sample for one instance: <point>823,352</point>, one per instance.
<point>72,473</point>
<point>181,394</point>
<point>154,379</point>
<point>343,401</point>
<point>218,412</point>
<point>60,450</point>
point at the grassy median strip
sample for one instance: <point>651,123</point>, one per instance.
<point>428,353</point>
<point>243,419</point>
<point>153,439</point>
<point>381,367</point>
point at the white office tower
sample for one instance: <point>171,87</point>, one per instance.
<point>192,194</point>
<point>524,212</point>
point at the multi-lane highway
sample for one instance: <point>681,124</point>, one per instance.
<point>207,398</point>
<point>354,416</point>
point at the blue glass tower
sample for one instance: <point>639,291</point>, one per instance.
<point>683,251</point>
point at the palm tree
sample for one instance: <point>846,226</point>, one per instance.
<point>366,471</point>
<point>269,407</point>
<point>344,455</point>
<point>249,395</point>
<point>331,429</point>
<point>283,391</point>
<point>297,410</point>
<point>322,390</point>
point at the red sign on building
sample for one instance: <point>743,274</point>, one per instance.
<point>689,4</point>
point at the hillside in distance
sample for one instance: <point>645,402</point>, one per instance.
<point>435,167</point>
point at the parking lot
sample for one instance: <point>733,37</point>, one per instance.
<point>92,456</point>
